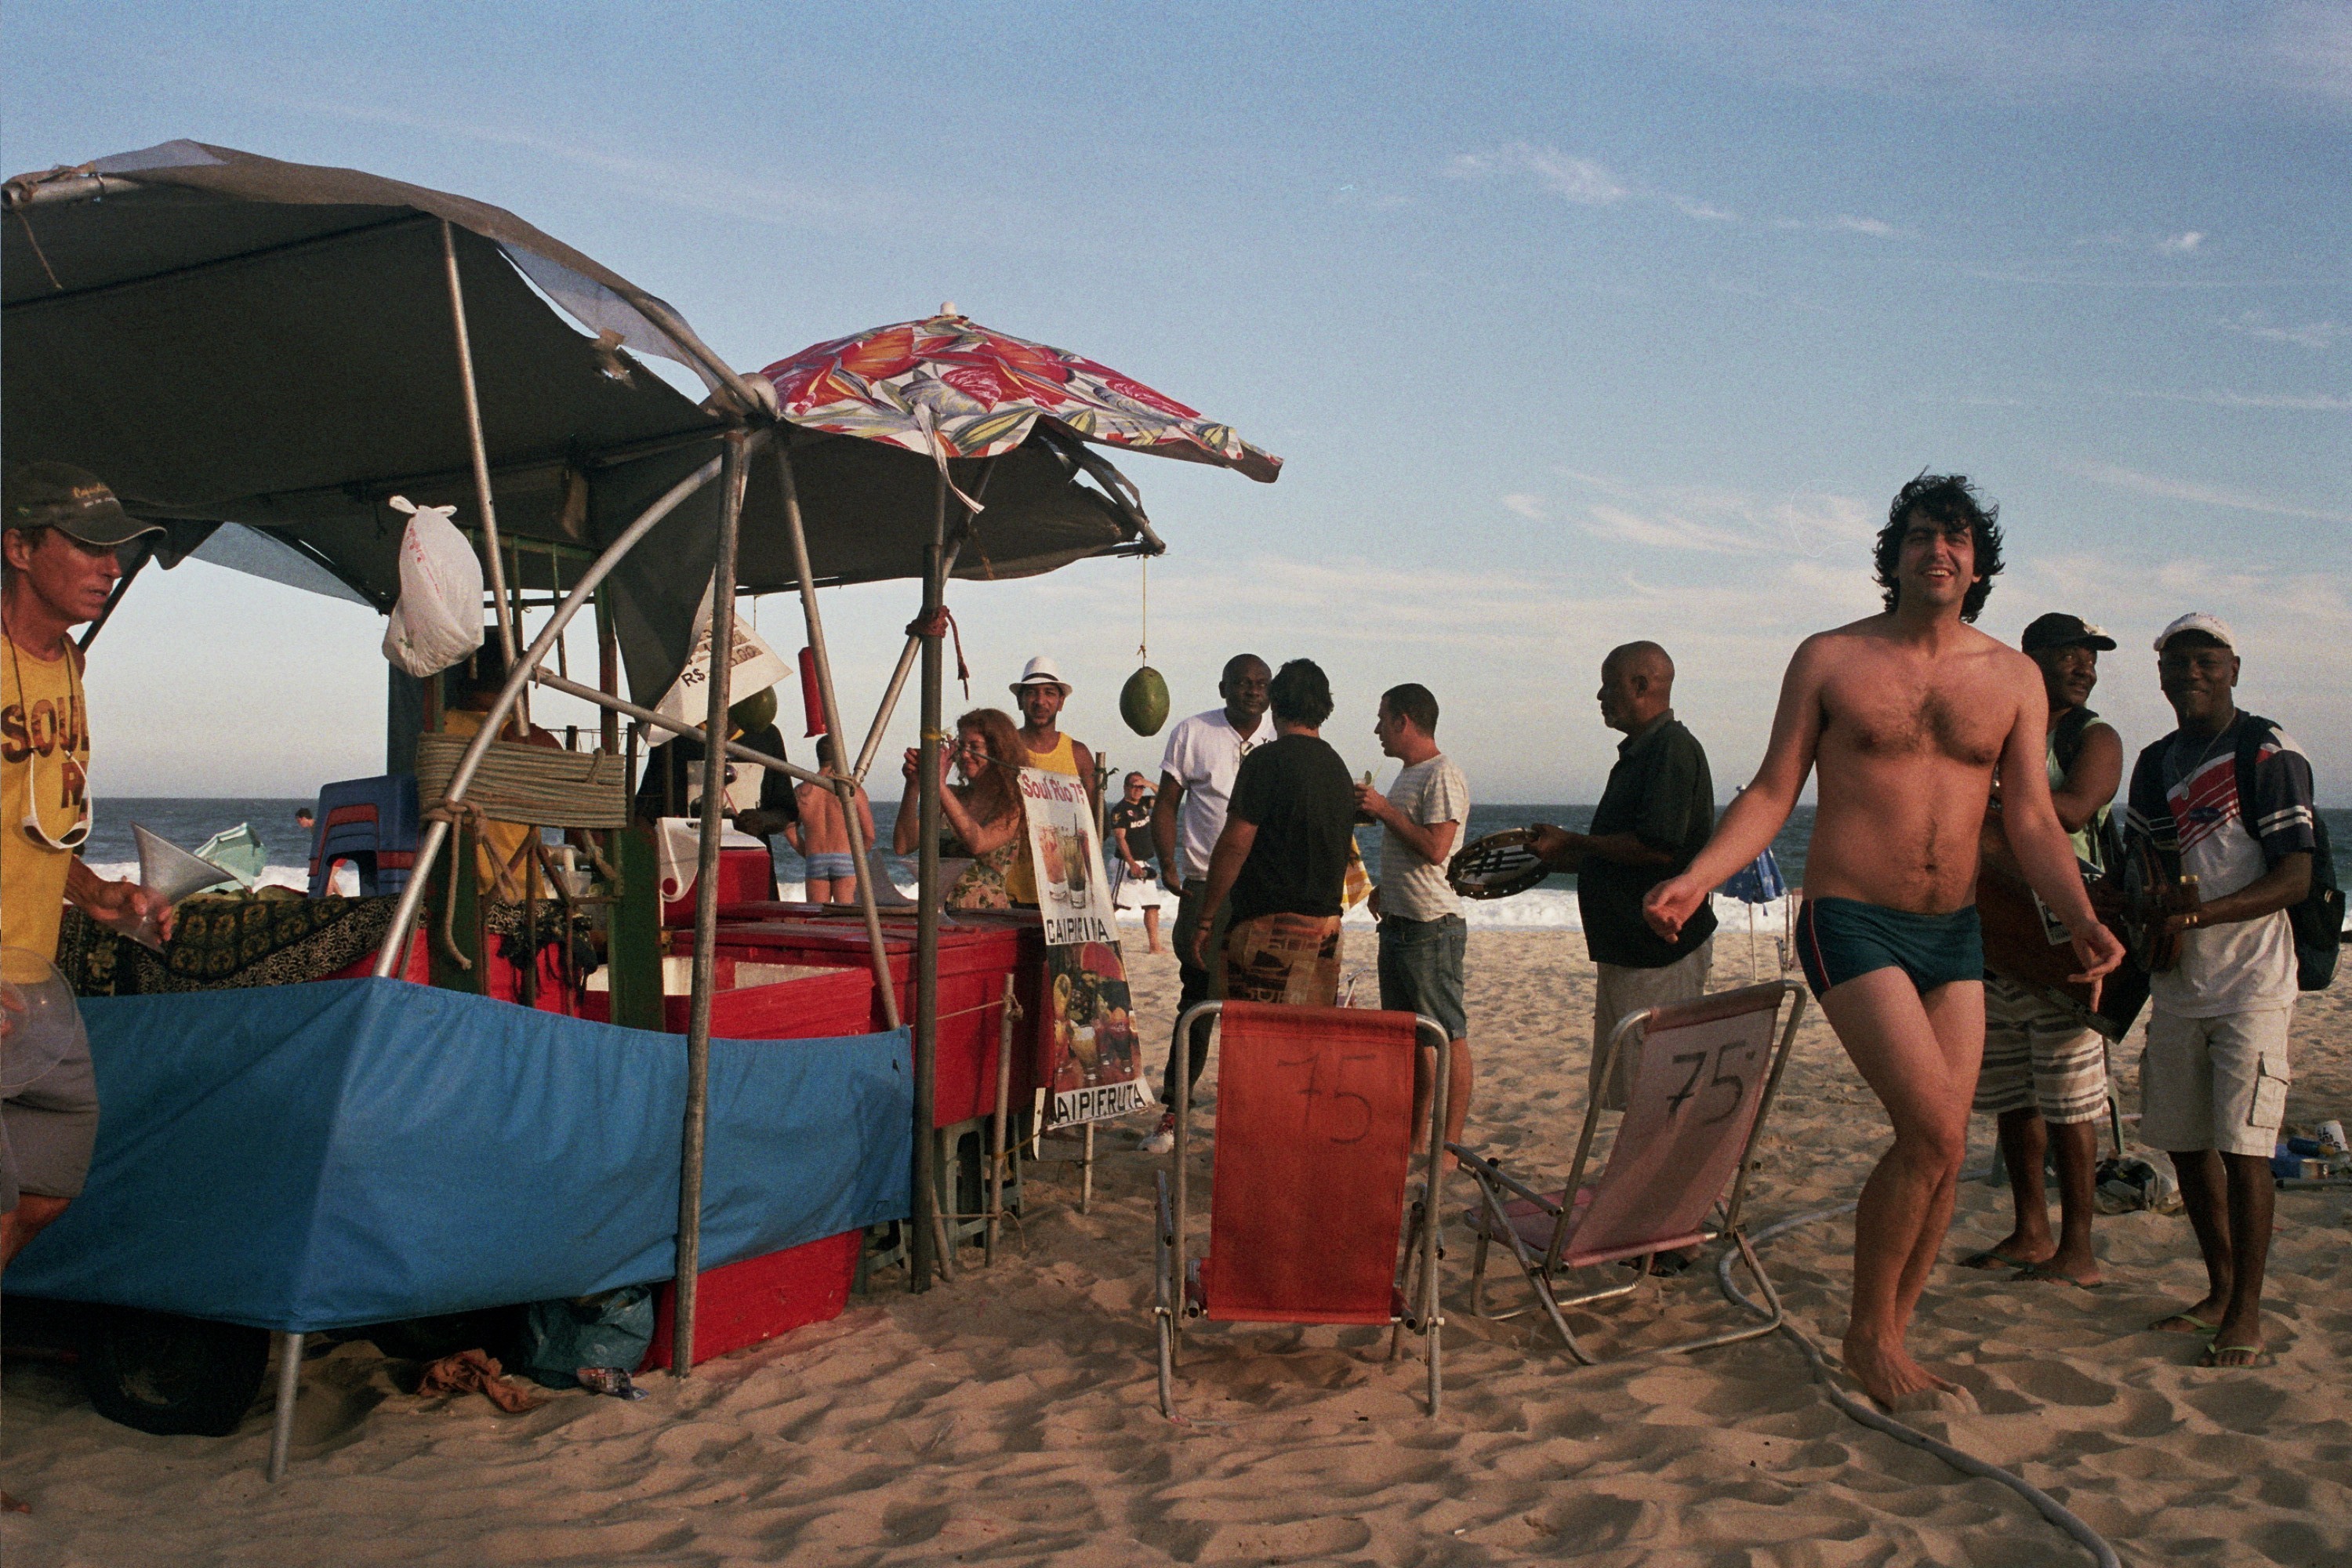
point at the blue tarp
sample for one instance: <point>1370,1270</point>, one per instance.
<point>320,1156</point>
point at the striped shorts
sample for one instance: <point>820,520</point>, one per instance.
<point>2038,1056</point>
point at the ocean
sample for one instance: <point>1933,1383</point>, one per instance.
<point>188,822</point>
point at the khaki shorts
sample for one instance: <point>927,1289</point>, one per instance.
<point>48,1129</point>
<point>1620,993</point>
<point>2215,1083</point>
<point>2038,1056</point>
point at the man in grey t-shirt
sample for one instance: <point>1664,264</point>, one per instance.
<point>1423,934</point>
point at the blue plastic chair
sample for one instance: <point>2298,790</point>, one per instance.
<point>371,823</point>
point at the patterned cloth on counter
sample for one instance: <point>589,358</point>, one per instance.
<point>219,944</point>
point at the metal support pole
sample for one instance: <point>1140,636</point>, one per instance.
<point>404,913</point>
<point>290,1381</point>
<point>997,1156</point>
<point>844,787</point>
<point>926,914</point>
<point>480,452</point>
<point>706,911</point>
<point>889,704</point>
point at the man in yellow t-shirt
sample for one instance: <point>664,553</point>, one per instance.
<point>1042,691</point>
<point>60,529</point>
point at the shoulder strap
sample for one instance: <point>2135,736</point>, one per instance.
<point>2253,729</point>
<point>2066,737</point>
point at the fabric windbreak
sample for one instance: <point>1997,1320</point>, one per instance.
<point>320,1156</point>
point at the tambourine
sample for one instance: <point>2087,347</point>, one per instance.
<point>1497,865</point>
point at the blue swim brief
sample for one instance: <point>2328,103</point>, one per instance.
<point>1838,939</point>
<point>825,868</point>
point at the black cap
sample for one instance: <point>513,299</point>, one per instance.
<point>2058,629</point>
<point>72,500</point>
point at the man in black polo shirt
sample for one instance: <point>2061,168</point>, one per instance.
<point>1654,816</point>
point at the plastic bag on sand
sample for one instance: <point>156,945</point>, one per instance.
<point>438,619</point>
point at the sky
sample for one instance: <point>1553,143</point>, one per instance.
<point>1574,324</point>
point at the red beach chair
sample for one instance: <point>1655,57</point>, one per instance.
<point>1308,1174</point>
<point>1709,1069</point>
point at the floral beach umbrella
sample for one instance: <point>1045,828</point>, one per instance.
<point>948,387</point>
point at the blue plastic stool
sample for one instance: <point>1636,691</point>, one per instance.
<point>371,823</point>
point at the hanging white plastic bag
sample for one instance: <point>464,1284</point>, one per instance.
<point>438,619</point>
<point>756,668</point>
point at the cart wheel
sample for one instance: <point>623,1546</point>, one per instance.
<point>173,1376</point>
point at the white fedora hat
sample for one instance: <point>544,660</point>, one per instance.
<point>1040,671</point>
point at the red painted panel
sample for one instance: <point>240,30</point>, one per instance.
<point>747,1302</point>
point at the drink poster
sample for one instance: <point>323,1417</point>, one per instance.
<point>1094,1063</point>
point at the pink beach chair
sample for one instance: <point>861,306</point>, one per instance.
<point>1676,1172</point>
<point>1309,1171</point>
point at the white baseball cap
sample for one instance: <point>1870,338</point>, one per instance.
<point>1040,671</point>
<point>2213,626</point>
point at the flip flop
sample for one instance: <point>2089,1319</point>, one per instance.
<point>2188,1323</point>
<point>1991,1258</point>
<point>2237,1358</point>
<point>2044,1271</point>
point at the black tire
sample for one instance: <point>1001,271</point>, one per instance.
<point>173,1376</point>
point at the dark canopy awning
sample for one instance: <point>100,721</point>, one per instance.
<point>230,339</point>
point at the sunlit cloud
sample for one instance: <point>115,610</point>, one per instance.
<point>1530,507</point>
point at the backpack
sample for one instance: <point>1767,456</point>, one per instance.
<point>2318,917</point>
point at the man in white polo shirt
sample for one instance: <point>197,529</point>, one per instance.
<point>1196,780</point>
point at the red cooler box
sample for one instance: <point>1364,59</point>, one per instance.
<point>975,955</point>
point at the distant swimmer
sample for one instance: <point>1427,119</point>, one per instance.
<point>1907,715</point>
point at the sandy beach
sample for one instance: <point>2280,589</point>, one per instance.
<point>1009,1415</point>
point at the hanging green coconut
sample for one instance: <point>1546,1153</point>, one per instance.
<point>751,714</point>
<point>1143,702</point>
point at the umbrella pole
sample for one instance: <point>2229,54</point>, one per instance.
<point>921,1254</point>
<point>412,897</point>
<point>706,913</point>
<point>480,453</point>
<point>844,790</point>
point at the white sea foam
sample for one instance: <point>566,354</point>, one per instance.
<point>1543,909</point>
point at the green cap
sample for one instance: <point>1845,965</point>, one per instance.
<point>72,500</point>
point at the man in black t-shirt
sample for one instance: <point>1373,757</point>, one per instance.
<point>1283,854</point>
<point>1127,856</point>
<point>1655,814</point>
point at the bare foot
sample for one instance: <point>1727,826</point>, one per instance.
<point>2083,1275</point>
<point>1887,1372</point>
<point>2012,1251</point>
<point>10,1505</point>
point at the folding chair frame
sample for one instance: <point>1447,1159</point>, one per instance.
<point>1422,1312</point>
<point>1494,1185</point>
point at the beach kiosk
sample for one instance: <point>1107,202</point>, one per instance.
<point>260,355</point>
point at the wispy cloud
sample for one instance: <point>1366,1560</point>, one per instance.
<point>2180,244</point>
<point>2309,403</point>
<point>1712,520</point>
<point>1585,181</point>
<point>2118,477</point>
<point>1530,507</point>
<point>2259,324</point>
